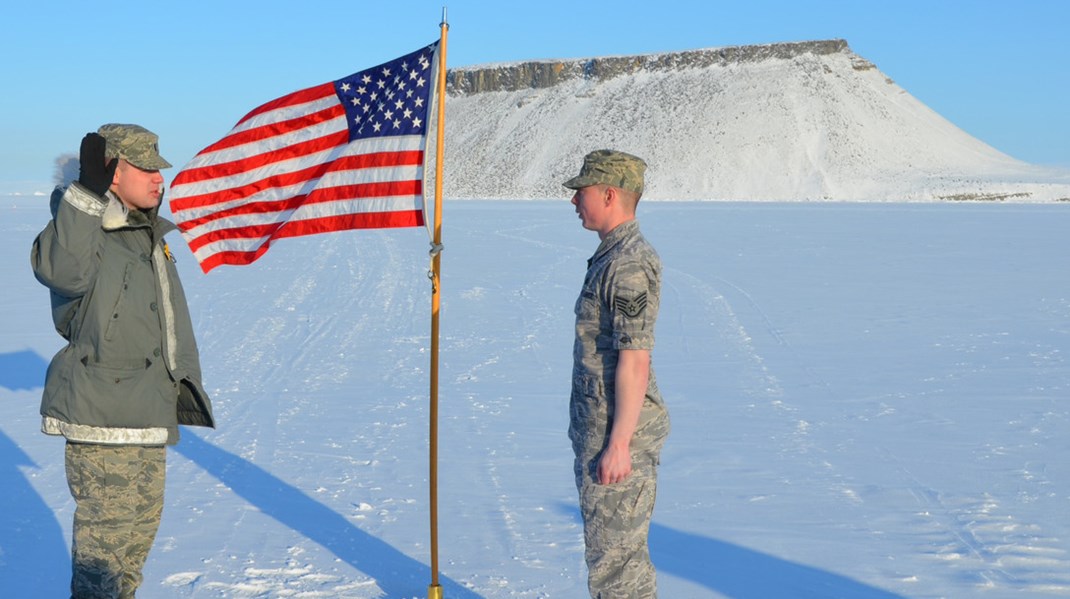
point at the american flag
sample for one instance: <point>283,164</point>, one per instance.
<point>348,154</point>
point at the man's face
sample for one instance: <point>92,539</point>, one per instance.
<point>591,206</point>
<point>137,188</point>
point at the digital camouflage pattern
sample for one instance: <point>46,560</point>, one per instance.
<point>610,167</point>
<point>118,491</point>
<point>616,310</point>
<point>134,144</point>
<point>616,526</point>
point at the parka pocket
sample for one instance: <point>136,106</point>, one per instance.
<point>123,394</point>
<point>117,308</point>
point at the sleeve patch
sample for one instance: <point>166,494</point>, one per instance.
<point>631,307</point>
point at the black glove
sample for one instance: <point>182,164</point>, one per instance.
<point>93,174</point>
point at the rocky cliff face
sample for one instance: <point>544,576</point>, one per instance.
<point>792,121</point>
<point>538,75</point>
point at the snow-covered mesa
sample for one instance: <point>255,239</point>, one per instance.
<point>785,122</point>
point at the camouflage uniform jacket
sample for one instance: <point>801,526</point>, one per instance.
<point>130,372</point>
<point>616,310</point>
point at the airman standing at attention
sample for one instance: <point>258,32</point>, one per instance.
<point>618,422</point>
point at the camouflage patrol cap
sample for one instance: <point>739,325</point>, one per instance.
<point>610,167</point>
<point>134,144</point>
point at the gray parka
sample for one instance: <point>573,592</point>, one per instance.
<point>130,372</point>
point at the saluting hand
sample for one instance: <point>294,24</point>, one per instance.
<point>93,173</point>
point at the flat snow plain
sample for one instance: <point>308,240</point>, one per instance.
<point>868,401</point>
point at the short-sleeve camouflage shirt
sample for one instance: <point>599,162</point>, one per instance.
<point>616,310</point>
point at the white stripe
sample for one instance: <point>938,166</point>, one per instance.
<point>220,184</point>
<point>340,208</point>
<point>333,208</point>
<point>334,179</point>
<point>357,148</point>
<point>268,144</point>
<point>286,113</point>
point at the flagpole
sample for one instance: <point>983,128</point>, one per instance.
<point>434,590</point>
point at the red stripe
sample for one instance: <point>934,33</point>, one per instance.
<point>234,167</point>
<point>362,161</point>
<point>376,220</point>
<point>318,196</point>
<point>298,97</point>
<point>276,128</point>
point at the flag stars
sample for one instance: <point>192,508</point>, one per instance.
<point>391,99</point>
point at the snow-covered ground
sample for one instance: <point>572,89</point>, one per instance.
<point>868,401</point>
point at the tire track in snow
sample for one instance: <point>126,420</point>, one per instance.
<point>977,537</point>
<point>267,385</point>
<point>520,526</point>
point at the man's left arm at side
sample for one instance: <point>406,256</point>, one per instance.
<point>632,377</point>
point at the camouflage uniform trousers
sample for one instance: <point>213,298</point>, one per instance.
<point>616,524</point>
<point>118,490</point>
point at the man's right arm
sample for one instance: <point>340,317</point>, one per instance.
<point>64,254</point>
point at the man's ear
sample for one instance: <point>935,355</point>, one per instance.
<point>118,169</point>
<point>611,195</point>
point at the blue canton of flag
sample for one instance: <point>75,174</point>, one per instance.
<point>390,99</point>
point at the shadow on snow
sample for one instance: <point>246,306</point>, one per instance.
<point>33,549</point>
<point>22,370</point>
<point>742,573</point>
<point>397,574</point>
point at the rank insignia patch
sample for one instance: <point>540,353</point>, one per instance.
<point>631,307</point>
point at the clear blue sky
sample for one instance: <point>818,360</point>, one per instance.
<point>188,70</point>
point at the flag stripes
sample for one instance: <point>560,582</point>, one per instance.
<point>343,155</point>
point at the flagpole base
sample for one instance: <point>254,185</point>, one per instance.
<point>434,591</point>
